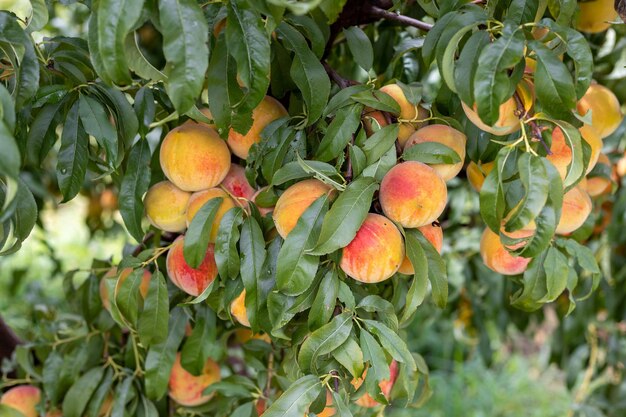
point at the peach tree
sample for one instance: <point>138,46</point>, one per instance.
<point>283,167</point>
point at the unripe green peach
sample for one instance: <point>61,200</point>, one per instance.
<point>190,280</point>
<point>447,136</point>
<point>166,205</point>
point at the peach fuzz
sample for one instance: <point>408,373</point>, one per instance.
<point>198,199</point>
<point>112,274</point>
<point>606,114</point>
<point>266,112</point>
<point>409,113</point>
<point>165,206</point>
<point>595,15</point>
<point>597,186</point>
<point>496,256</point>
<point>23,398</point>
<point>194,157</point>
<point>476,174</point>
<point>237,184</point>
<point>190,280</point>
<point>385,386</point>
<point>447,136</point>
<point>238,309</point>
<point>562,154</point>
<point>375,253</point>
<point>294,201</point>
<point>576,208</point>
<point>413,194</point>
<point>434,234</point>
<point>186,389</point>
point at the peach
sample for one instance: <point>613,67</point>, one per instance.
<point>606,114</point>
<point>409,113</point>
<point>186,389</point>
<point>476,174</point>
<point>198,199</point>
<point>194,157</point>
<point>245,335</point>
<point>112,274</point>
<point>385,386</point>
<point>597,186</point>
<point>238,309</point>
<point>413,194</point>
<point>576,208</point>
<point>405,130</point>
<point>190,280</point>
<point>373,120</point>
<point>434,234</point>
<point>375,253</point>
<point>23,398</point>
<point>496,256</point>
<point>595,16</point>
<point>263,210</point>
<point>294,201</point>
<point>165,206</point>
<point>562,154</point>
<point>266,112</point>
<point>447,136</point>
<point>237,184</point>
<point>329,410</point>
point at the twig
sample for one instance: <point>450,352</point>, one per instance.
<point>536,132</point>
<point>8,342</point>
<point>337,78</point>
<point>405,20</point>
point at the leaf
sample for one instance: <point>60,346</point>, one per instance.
<point>152,325</point>
<point>346,216</point>
<point>523,11</point>
<point>360,46</point>
<point>467,64</point>
<point>73,155</point>
<point>127,296</point>
<point>325,300</point>
<point>350,356</point>
<point>419,285</point>
<point>296,269</point>
<point>202,342</point>
<point>492,193</point>
<point>339,132</point>
<point>294,171</point>
<point>324,340</point>
<point>185,46</point>
<point>346,97</point>
<point>99,396</point>
<point>95,120</point>
<point>374,354</point>
<point>42,134</point>
<point>135,183</point>
<point>376,99</point>
<point>295,401</point>
<point>392,343</point>
<point>199,232</point>
<point>557,271</point>
<point>380,142</point>
<point>226,254</point>
<point>252,249</point>
<point>448,63</point>
<point>79,394</point>
<point>138,63</point>
<point>39,16</point>
<point>437,274</point>
<point>7,411</point>
<point>431,153</point>
<point>121,397</point>
<point>378,169</point>
<point>306,71</point>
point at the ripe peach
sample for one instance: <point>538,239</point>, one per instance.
<point>237,184</point>
<point>496,256</point>
<point>434,234</point>
<point>165,206</point>
<point>186,389</point>
<point>23,398</point>
<point>190,280</point>
<point>447,136</point>
<point>198,199</point>
<point>562,154</point>
<point>266,112</point>
<point>476,174</point>
<point>263,210</point>
<point>413,194</point>
<point>606,114</point>
<point>194,157</point>
<point>595,16</point>
<point>375,253</point>
<point>385,386</point>
<point>238,309</point>
<point>294,201</point>
<point>416,114</point>
<point>576,208</point>
<point>597,186</point>
<point>242,335</point>
<point>405,130</point>
<point>112,274</point>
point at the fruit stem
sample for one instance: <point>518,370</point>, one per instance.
<point>527,119</point>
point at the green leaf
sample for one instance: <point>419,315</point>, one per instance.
<point>122,396</point>
<point>186,51</point>
<point>202,343</point>
<point>6,411</point>
<point>378,169</point>
<point>294,171</point>
<point>534,285</point>
<point>296,269</point>
<point>39,16</point>
<point>358,160</point>
<point>152,325</point>
<point>324,340</point>
<point>380,142</point>
<point>419,285</point>
<point>431,153</point>
<point>95,120</point>
<point>222,87</point>
<point>374,354</point>
<point>137,62</point>
<point>253,253</point>
<point>376,99</point>
<point>448,64</point>
<point>233,386</point>
<point>346,216</point>
<point>350,356</point>
<point>523,11</point>
<point>135,183</point>
<point>127,296</point>
<point>346,97</point>
<point>557,271</point>
<point>73,155</point>
<point>79,394</point>
<point>360,46</point>
<point>332,9</point>
<point>465,70</point>
<point>392,343</point>
<point>324,303</point>
<point>226,254</point>
<point>199,232</point>
<point>492,193</point>
<point>296,399</point>
<point>339,132</point>
<point>99,396</point>
<point>42,133</point>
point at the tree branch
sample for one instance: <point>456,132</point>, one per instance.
<point>379,13</point>
<point>8,340</point>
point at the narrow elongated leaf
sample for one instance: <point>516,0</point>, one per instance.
<point>350,355</point>
<point>226,254</point>
<point>324,303</point>
<point>73,155</point>
<point>296,399</point>
<point>392,343</point>
<point>79,394</point>
<point>431,153</point>
<point>467,64</point>
<point>199,232</point>
<point>152,325</point>
<point>324,340</point>
<point>202,342</point>
<point>253,253</point>
<point>122,395</point>
<point>437,274</point>
<point>374,354</point>
<point>419,285</point>
<point>339,132</point>
<point>95,120</point>
<point>294,171</point>
<point>557,271</point>
<point>376,99</point>
<point>380,142</point>
<point>360,46</point>
<point>127,296</point>
<point>135,183</point>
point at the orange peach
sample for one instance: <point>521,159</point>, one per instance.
<point>447,136</point>
<point>190,280</point>
<point>413,194</point>
<point>23,398</point>
<point>238,309</point>
<point>294,201</point>
<point>266,112</point>
<point>112,275</point>
<point>385,386</point>
<point>165,206</point>
<point>476,174</point>
<point>375,253</point>
<point>194,157</point>
<point>606,114</point>
<point>434,234</point>
<point>237,184</point>
<point>245,335</point>
<point>496,256</point>
<point>597,186</point>
<point>562,154</point>
<point>186,389</point>
<point>595,16</point>
<point>405,130</point>
<point>576,208</point>
<point>409,113</point>
<point>200,198</point>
